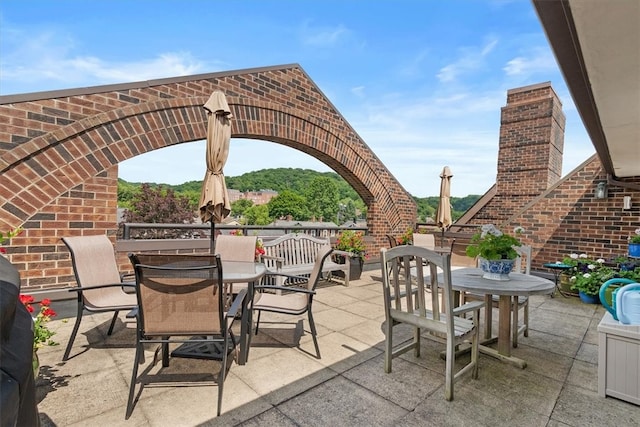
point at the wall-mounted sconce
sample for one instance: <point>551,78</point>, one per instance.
<point>626,202</point>
<point>601,190</point>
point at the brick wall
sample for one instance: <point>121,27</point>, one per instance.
<point>560,216</point>
<point>59,152</point>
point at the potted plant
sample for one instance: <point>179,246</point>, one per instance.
<point>41,333</point>
<point>495,250</point>
<point>634,244</point>
<point>351,243</point>
<point>626,263</point>
<point>406,238</point>
<point>587,276</point>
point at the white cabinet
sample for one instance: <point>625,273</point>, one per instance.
<point>618,360</point>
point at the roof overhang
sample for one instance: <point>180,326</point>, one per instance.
<point>597,46</point>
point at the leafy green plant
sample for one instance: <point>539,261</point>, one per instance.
<point>352,241</point>
<point>7,236</point>
<point>41,333</point>
<point>590,281</point>
<point>406,238</point>
<point>636,237</point>
<point>492,244</point>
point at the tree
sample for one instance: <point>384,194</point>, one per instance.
<point>257,215</point>
<point>289,203</point>
<point>322,198</point>
<point>126,193</point>
<point>346,211</point>
<point>159,205</point>
<point>239,207</point>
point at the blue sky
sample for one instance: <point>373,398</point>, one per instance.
<point>421,81</point>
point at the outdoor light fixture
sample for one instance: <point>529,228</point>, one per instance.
<point>601,190</point>
<point>626,202</point>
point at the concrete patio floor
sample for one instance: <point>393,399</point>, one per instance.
<point>283,384</point>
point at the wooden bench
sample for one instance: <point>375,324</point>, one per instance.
<point>295,254</point>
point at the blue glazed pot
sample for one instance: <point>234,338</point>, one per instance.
<point>634,250</point>
<point>496,269</point>
<point>589,299</point>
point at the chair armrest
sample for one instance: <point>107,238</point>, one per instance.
<point>237,302</point>
<point>109,285</point>
<point>288,276</point>
<point>470,306</point>
<point>127,277</point>
<point>277,259</point>
<point>343,253</point>
<point>286,288</point>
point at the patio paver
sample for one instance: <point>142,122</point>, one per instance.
<point>284,384</point>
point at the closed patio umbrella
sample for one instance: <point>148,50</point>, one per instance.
<point>214,199</point>
<point>443,214</point>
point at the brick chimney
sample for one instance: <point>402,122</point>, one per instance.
<point>531,143</point>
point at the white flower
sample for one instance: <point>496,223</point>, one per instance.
<point>600,261</point>
<point>490,229</point>
<point>586,275</point>
<point>573,278</point>
<point>638,231</point>
<point>583,256</point>
<point>573,256</point>
<point>518,230</point>
<point>591,267</point>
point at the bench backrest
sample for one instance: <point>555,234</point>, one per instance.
<point>293,249</point>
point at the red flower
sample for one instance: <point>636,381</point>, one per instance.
<point>48,312</point>
<point>26,299</point>
<point>3,250</point>
<point>41,334</point>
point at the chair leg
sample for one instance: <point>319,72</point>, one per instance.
<point>223,368</point>
<point>258,321</point>
<point>314,334</point>
<point>74,332</point>
<point>514,327</point>
<point>165,352</point>
<point>475,351</point>
<point>134,377</point>
<point>388,345</point>
<point>526,319</point>
<point>113,322</point>
<point>449,363</point>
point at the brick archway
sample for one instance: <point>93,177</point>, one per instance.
<point>60,150</point>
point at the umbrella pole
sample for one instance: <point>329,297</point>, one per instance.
<point>213,237</point>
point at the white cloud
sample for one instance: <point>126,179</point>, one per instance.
<point>540,60</point>
<point>325,36</point>
<point>47,61</point>
<point>470,60</point>
<point>358,91</point>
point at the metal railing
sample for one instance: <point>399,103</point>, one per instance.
<point>202,239</point>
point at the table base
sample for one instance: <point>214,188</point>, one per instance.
<point>201,350</point>
<point>484,349</point>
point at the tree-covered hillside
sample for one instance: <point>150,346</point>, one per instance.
<point>297,181</point>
